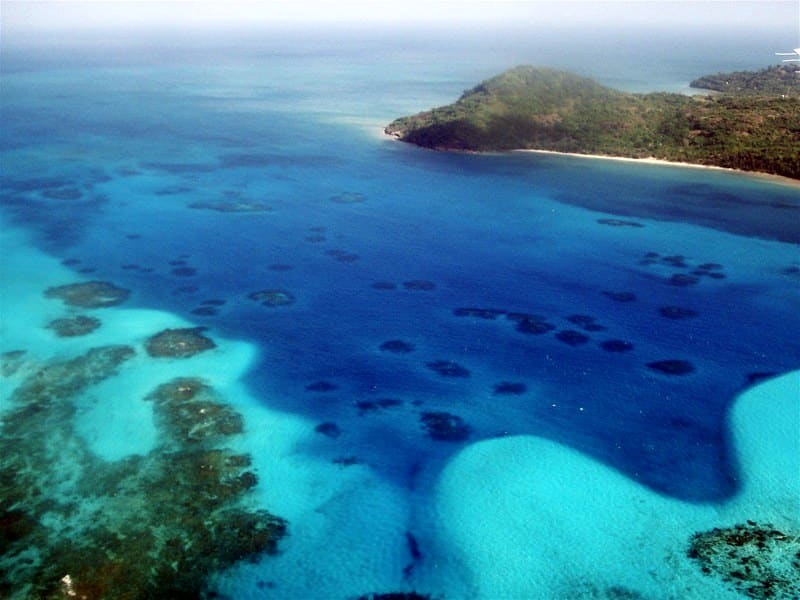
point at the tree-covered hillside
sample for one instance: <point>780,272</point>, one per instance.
<point>545,109</point>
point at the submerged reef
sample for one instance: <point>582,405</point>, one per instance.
<point>672,367</point>
<point>445,427</point>
<point>619,223</point>
<point>512,388</point>
<point>448,368</point>
<point>272,298</point>
<point>73,525</point>
<point>757,560</point>
<point>397,346</point>
<point>74,326</point>
<point>419,285</point>
<point>11,362</point>
<point>89,294</point>
<point>179,343</point>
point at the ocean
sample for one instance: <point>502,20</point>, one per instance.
<point>461,376</point>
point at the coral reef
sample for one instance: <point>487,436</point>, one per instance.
<point>757,560</point>
<point>530,324</point>
<point>184,271</point>
<point>343,255</point>
<point>89,294</point>
<point>73,525</point>
<point>11,361</point>
<point>672,367</point>
<point>445,427</point>
<point>328,429</point>
<point>369,406</point>
<point>178,343</point>
<point>512,388</point>
<point>384,285</point>
<point>321,386</point>
<point>448,368</point>
<point>74,326</point>
<point>397,346</point>
<point>616,346</point>
<point>572,337</point>
<point>272,298</point>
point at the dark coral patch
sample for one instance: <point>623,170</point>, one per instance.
<point>532,325</point>
<point>398,346</point>
<point>214,302</point>
<point>205,311</point>
<point>572,337</point>
<point>709,267</point>
<point>419,285</point>
<point>757,560</point>
<point>315,239</point>
<point>179,343</point>
<point>187,490</point>
<point>448,368</point>
<point>272,298</point>
<point>176,263</point>
<point>69,262</point>
<point>479,313</point>
<point>616,346</point>
<point>586,322</point>
<point>512,388</point>
<point>683,280</point>
<point>445,427</point>
<point>74,326</point>
<point>676,312</point>
<point>184,272</point>
<point>672,367</point>
<point>368,406</point>
<point>620,296</point>
<point>321,386</point>
<point>384,285</point>
<point>328,429</point>
<point>90,294</point>
<point>619,223</point>
<point>758,377</point>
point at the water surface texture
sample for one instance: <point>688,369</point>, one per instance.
<point>399,305</point>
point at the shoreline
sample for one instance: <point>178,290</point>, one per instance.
<point>771,177</point>
<point>760,175</point>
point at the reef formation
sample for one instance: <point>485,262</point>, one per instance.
<point>158,525</point>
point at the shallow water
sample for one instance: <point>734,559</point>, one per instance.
<point>691,274</point>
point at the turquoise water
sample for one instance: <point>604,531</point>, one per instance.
<point>603,315</point>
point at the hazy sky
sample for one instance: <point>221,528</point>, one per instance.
<point>31,16</point>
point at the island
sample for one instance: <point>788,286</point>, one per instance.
<point>753,127</point>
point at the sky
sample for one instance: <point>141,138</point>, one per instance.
<point>59,15</point>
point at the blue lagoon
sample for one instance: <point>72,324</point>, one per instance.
<point>253,348</point>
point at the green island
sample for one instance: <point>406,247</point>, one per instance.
<point>752,125</point>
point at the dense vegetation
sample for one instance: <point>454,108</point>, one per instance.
<point>774,80</point>
<point>545,109</point>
